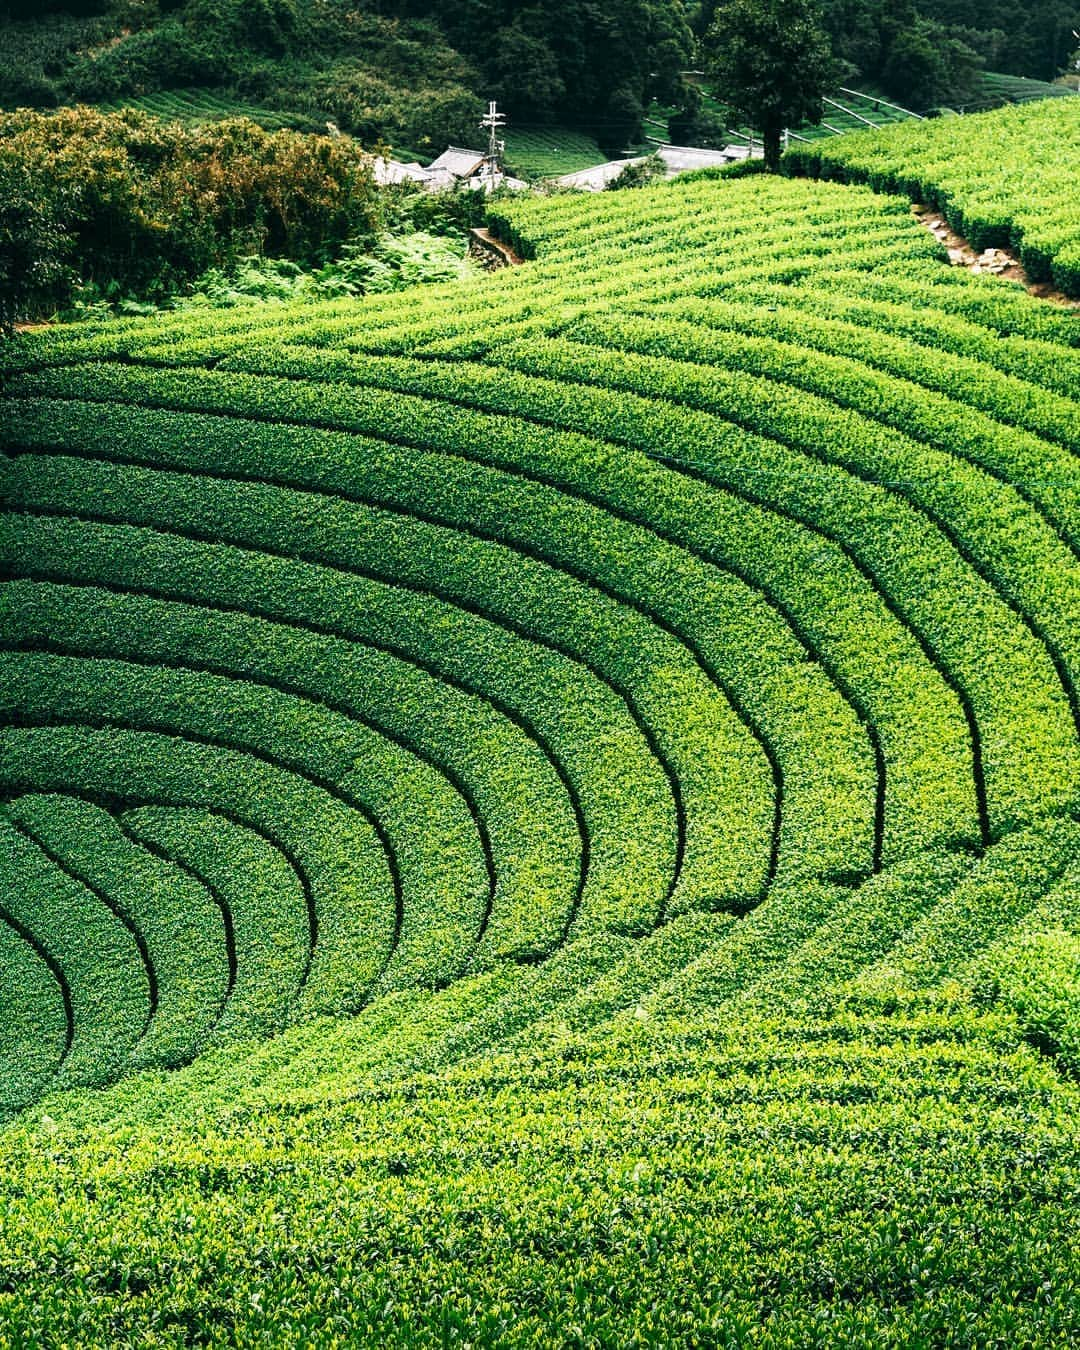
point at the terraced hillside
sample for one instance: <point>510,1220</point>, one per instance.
<point>547,811</point>
<point>197,106</point>
<point>545,152</point>
<point>1003,179</point>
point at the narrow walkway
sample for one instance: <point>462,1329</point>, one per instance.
<point>492,252</point>
<point>1000,262</point>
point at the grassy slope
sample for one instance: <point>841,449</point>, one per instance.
<point>745,449</point>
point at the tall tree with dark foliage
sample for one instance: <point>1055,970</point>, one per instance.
<point>771,62</point>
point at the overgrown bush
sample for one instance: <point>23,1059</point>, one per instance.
<point>127,200</point>
<point>391,265</point>
<point>33,246</point>
<point>639,173</point>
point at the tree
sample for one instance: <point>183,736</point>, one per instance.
<point>928,65</point>
<point>594,64</point>
<point>33,245</point>
<point>770,61</point>
<point>916,67</point>
<point>34,9</point>
<point>524,74</point>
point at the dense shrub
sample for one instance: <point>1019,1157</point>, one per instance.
<point>125,199</point>
<point>33,246</point>
<point>1037,977</point>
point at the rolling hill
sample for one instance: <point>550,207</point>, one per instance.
<point>546,810</point>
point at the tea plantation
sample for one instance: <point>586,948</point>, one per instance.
<point>545,811</point>
<point>1005,179</point>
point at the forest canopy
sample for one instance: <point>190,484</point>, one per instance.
<point>407,70</point>
<point>930,52</point>
<point>415,73</point>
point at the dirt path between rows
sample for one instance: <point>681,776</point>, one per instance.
<point>491,252</point>
<point>998,262</point>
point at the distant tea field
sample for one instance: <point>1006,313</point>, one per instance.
<point>545,810</point>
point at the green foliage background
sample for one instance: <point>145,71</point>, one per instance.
<point>125,200</point>
<point>409,71</point>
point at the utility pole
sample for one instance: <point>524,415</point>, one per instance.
<point>493,123</point>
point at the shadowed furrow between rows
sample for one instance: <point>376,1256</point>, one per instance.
<point>685,594</point>
<point>753,539</point>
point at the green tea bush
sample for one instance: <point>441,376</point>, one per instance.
<point>35,1004</point>
<point>983,173</point>
<point>105,974</point>
<point>1038,979</point>
<point>178,919</point>
<point>263,904</point>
